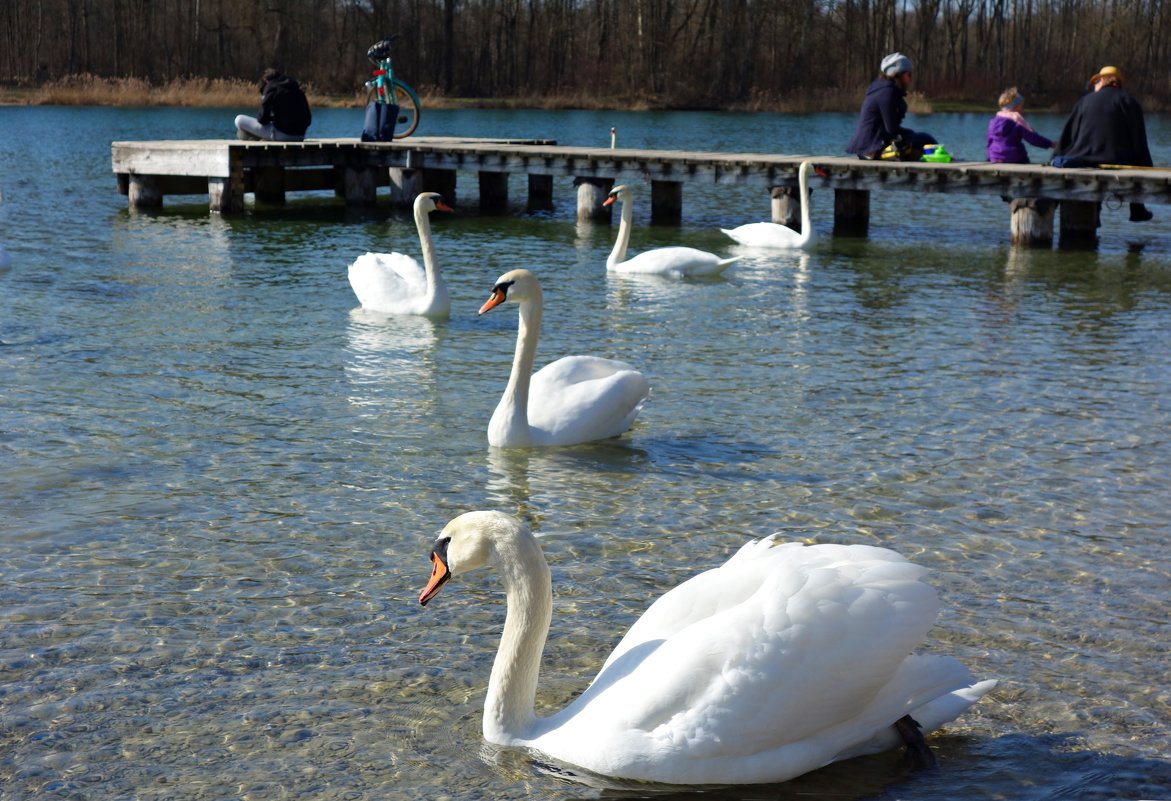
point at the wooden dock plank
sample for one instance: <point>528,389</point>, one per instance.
<point>148,170</point>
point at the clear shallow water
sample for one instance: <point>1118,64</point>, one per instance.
<point>221,479</point>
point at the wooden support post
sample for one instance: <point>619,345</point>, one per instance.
<point>540,192</point>
<point>1032,221</point>
<point>1079,223</point>
<point>441,181</point>
<point>361,186</point>
<point>269,184</point>
<point>493,192</point>
<point>226,195</point>
<point>143,192</point>
<point>591,193</point>
<point>786,206</point>
<point>666,202</point>
<point>851,212</point>
<point>405,186</point>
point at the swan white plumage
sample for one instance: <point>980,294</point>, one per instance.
<point>678,262</point>
<point>785,658</point>
<point>572,400</point>
<point>774,235</point>
<point>394,283</point>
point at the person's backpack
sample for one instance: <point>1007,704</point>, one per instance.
<point>380,121</point>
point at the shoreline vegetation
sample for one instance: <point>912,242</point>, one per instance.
<point>90,90</point>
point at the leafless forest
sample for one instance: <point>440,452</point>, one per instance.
<point>666,53</point>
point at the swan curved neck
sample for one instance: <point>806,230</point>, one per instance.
<point>423,223</point>
<point>803,188</point>
<point>510,421</point>
<point>512,687</point>
<point>618,254</point>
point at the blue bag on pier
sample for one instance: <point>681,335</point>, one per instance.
<point>380,121</point>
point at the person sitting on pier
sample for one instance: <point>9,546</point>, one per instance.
<point>880,132</point>
<point>1106,127</point>
<point>1008,131</point>
<point>284,111</point>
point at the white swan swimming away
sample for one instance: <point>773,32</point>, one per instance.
<point>785,658</point>
<point>678,262</point>
<point>572,400</point>
<point>394,283</point>
<point>774,235</point>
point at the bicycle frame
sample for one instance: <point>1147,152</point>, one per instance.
<point>383,78</point>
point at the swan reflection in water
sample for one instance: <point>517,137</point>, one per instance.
<point>391,363</point>
<point>534,481</point>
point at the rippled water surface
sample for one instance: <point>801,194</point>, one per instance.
<point>220,478</point>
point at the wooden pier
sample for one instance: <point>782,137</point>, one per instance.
<point>226,170</point>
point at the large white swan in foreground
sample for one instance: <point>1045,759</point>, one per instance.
<point>574,399</point>
<point>395,283</point>
<point>785,658</point>
<point>774,235</point>
<point>673,261</point>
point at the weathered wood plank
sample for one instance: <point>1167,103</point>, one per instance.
<point>216,159</point>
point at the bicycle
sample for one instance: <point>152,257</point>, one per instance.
<point>389,90</point>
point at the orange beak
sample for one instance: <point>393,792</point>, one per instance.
<point>439,576</point>
<point>441,206</point>
<point>495,299</point>
<point>608,201</point>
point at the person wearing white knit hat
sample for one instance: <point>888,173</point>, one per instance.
<point>880,128</point>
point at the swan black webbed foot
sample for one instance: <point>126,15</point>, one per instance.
<point>919,754</point>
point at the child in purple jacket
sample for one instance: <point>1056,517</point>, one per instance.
<point>1008,131</point>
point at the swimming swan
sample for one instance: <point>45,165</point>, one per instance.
<point>394,283</point>
<point>774,235</point>
<point>574,399</point>
<point>785,658</point>
<point>673,261</point>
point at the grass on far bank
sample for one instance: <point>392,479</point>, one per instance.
<point>90,90</point>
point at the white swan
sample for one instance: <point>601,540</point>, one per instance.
<point>785,658</point>
<point>395,283</point>
<point>774,235</point>
<point>574,399</point>
<point>673,261</point>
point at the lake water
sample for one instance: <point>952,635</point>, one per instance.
<point>221,479</point>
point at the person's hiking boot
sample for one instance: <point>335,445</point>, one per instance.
<point>1140,213</point>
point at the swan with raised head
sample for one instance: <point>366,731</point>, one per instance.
<point>574,399</point>
<point>785,658</point>
<point>394,283</point>
<point>774,235</point>
<point>678,262</point>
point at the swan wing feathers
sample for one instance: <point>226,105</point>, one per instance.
<point>765,235</point>
<point>780,659</point>
<point>679,261</point>
<point>383,281</point>
<point>584,398</point>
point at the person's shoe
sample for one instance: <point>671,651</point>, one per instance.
<point>1140,213</point>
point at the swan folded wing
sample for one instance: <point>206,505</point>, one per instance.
<point>764,234</point>
<point>383,280</point>
<point>677,261</point>
<point>584,398</point>
<point>815,643</point>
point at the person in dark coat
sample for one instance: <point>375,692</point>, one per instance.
<point>880,122</point>
<point>1106,127</point>
<point>284,111</point>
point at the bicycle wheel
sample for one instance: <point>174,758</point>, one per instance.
<point>408,109</point>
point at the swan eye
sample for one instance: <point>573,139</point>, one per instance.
<point>503,287</point>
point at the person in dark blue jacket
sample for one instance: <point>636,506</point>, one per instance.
<point>880,123</point>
